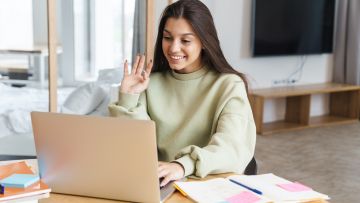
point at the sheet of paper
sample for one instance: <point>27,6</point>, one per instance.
<point>268,184</point>
<point>214,190</point>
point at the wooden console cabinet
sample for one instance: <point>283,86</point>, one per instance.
<point>344,106</point>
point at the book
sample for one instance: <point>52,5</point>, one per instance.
<point>19,180</point>
<point>249,189</point>
<point>10,193</point>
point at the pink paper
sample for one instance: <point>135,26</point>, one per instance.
<point>294,187</point>
<point>243,197</point>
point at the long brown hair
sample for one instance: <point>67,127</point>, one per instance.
<point>199,17</point>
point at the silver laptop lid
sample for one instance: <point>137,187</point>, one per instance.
<point>113,158</point>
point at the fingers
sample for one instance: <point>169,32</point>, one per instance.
<point>169,172</point>
<point>165,181</point>
<point>140,66</point>
<point>166,174</point>
<point>135,65</point>
<point>126,68</point>
<point>148,70</point>
<point>163,172</point>
<point>149,66</point>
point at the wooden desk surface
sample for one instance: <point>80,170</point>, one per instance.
<point>176,197</point>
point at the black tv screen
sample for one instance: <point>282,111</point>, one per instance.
<point>290,27</point>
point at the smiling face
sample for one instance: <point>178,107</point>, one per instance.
<point>181,46</point>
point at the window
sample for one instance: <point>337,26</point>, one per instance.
<point>16,24</point>
<point>103,35</point>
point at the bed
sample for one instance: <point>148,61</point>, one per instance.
<point>16,137</point>
<point>15,124</point>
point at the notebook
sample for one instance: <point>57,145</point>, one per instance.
<point>105,157</point>
<point>37,188</point>
<point>249,189</point>
<point>17,180</point>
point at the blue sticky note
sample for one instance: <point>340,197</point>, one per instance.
<point>19,180</point>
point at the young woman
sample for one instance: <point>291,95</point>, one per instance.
<point>198,101</point>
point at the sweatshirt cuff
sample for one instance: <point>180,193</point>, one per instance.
<point>188,164</point>
<point>128,100</point>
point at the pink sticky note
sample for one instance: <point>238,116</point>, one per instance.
<point>294,187</point>
<point>243,197</point>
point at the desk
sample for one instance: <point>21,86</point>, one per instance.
<point>177,197</point>
<point>40,51</point>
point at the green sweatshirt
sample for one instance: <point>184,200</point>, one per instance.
<point>203,119</point>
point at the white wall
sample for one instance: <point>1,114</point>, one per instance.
<point>235,41</point>
<point>232,19</point>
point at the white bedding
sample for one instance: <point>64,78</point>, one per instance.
<point>15,125</point>
<point>17,103</point>
<point>16,136</point>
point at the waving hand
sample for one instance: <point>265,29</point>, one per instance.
<point>138,79</point>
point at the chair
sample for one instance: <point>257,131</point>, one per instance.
<point>251,168</point>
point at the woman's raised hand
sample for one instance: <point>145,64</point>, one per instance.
<point>138,79</point>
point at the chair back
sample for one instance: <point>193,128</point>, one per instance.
<point>251,168</point>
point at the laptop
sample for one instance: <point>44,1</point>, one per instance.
<point>104,157</point>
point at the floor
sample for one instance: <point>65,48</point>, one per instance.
<point>326,158</point>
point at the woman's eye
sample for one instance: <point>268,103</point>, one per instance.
<point>166,38</point>
<point>185,41</point>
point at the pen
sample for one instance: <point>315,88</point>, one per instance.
<point>247,187</point>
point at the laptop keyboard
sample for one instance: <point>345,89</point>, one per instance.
<point>166,191</point>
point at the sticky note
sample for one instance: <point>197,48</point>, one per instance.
<point>294,187</point>
<point>19,180</point>
<point>243,197</point>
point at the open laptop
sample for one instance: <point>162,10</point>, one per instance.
<point>105,157</point>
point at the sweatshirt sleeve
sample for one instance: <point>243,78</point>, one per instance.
<point>130,105</point>
<point>231,147</point>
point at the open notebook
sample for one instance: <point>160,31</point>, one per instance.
<point>249,189</point>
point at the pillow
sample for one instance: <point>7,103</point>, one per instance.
<point>19,120</point>
<point>111,97</point>
<point>4,126</point>
<point>102,109</point>
<point>111,76</point>
<point>84,99</point>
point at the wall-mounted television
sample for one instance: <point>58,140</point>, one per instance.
<point>292,27</point>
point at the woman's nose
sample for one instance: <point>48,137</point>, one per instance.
<point>175,47</point>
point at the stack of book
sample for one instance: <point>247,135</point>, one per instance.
<point>249,189</point>
<point>17,180</point>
